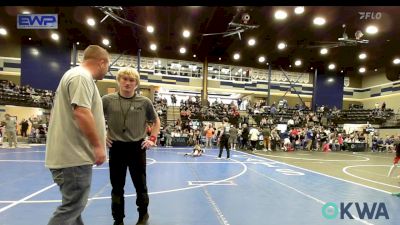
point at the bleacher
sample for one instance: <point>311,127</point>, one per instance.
<point>20,96</point>
<point>359,115</point>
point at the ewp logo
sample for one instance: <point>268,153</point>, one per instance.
<point>37,21</point>
<point>331,211</point>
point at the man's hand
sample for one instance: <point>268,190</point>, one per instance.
<point>147,144</point>
<point>109,142</point>
<point>100,155</point>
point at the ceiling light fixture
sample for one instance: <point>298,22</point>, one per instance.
<point>281,45</point>
<point>323,51</point>
<point>105,41</point>
<point>371,29</point>
<point>319,21</point>
<point>251,42</point>
<point>362,70</point>
<point>297,62</point>
<point>261,59</point>
<point>55,36</point>
<point>153,46</point>
<point>150,29</point>
<point>299,9</point>
<point>26,12</point>
<point>236,56</point>
<point>182,50</point>
<point>194,56</point>
<point>396,61</point>
<point>186,33</point>
<point>3,31</point>
<point>362,56</point>
<point>280,15</point>
<point>91,22</point>
<point>331,66</point>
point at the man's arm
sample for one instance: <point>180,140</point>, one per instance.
<point>86,123</point>
<point>155,129</point>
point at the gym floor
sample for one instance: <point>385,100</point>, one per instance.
<point>288,188</point>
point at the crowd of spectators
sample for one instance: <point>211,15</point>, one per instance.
<point>25,95</point>
<point>33,128</point>
<point>216,111</point>
<point>304,129</point>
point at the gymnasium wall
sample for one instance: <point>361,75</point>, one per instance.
<point>328,90</point>
<point>43,64</point>
<point>10,50</point>
<point>387,132</point>
<point>374,78</point>
<point>392,101</point>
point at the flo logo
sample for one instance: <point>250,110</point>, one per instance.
<point>364,210</point>
<point>370,15</point>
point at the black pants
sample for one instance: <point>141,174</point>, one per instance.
<point>124,155</point>
<point>244,143</point>
<point>23,133</point>
<point>224,143</point>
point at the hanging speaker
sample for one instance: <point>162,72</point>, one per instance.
<point>392,73</point>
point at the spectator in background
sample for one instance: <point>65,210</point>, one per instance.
<point>24,127</point>
<point>233,136</point>
<point>11,130</point>
<point>173,99</point>
<point>168,136</point>
<point>224,138</point>
<point>209,135</point>
<point>254,133</point>
<point>1,133</point>
<point>266,132</point>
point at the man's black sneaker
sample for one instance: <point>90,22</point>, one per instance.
<point>143,219</point>
<point>118,222</point>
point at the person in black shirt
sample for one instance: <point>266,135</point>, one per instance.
<point>224,138</point>
<point>245,137</point>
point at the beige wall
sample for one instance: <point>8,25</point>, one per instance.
<point>384,132</point>
<point>292,100</point>
<point>355,81</point>
<point>374,78</point>
<point>103,86</point>
<point>392,101</point>
<point>15,79</point>
<point>10,50</point>
<point>346,103</point>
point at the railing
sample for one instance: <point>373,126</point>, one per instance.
<point>173,67</point>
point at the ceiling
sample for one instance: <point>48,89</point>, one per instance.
<point>297,31</point>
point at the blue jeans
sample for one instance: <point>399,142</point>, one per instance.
<point>74,183</point>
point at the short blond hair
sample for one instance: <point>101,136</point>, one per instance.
<point>130,72</point>
<point>95,52</point>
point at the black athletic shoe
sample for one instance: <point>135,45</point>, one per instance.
<point>118,222</point>
<point>143,219</point>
